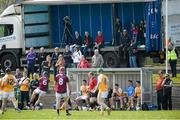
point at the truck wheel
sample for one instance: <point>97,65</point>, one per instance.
<point>8,61</point>
<point>110,60</point>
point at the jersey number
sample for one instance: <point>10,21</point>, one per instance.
<point>10,82</point>
<point>60,81</point>
<point>44,82</point>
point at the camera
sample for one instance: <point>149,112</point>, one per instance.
<point>67,20</point>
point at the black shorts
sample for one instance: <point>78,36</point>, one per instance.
<point>93,94</point>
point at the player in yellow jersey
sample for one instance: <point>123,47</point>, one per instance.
<point>1,93</point>
<point>102,86</point>
<point>8,83</point>
<point>137,94</point>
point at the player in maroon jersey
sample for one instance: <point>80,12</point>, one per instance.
<point>41,90</point>
<point>62,88</point>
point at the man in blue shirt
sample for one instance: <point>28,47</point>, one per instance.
<point>31,59</point>
<point>130,93</point>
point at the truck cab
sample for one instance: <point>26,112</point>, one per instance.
<point>11,40</point>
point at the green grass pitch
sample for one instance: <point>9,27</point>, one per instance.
<point>89,115</point>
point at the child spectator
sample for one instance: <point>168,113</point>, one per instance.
<point>137,94</point>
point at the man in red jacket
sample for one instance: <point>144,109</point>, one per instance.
<point>83,63</point>
<point>99,40</point>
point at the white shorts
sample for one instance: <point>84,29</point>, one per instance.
<point>1,95</point>
<point>83,97</point>
<point>40,92</point>
<point>8,95</point>
<point>60,96</point>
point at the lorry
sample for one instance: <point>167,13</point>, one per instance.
<point>39,23</point>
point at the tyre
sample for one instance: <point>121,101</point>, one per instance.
<point>8,61</point>
<point>110,60</point>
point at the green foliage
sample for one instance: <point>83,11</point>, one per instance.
<point>5,3</point>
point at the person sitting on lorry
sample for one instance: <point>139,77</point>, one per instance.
<point>31,59</point>
<point>88,43</point>
<point>78,39</point>
<point>99,43</point>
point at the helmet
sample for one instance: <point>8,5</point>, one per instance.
<point>8,70</point>
<point>45,74</point>
<point>99,70</point>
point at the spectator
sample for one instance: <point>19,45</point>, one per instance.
<point>34,83</point>
<point>18,74</point>
<point>68,30</point>
<point>159,90</point>
<point>61,62</point>
<point>41,57</point>
<point>167,93</point>
<point>67,57</point>
<point>83,63</point>
<point>99,43</point>
<point>130,92</point>
<point>132,50</point>
<point>84,94</point>
<point>24,89</point>
<point>46,65</point>
<point>124,43</point>
<point>78,39</point>
<point>76,56</point>
<point>91,87</point>
<point>118,31</point>
<point>117,95</point>
<point>97,60</point>
<point>31,59</point>
<point>172,57</point>
<point>88,41</point>
<point>141,33</point>
<point>55,56</point>
<point>135,31</point>
<point>137,94</point>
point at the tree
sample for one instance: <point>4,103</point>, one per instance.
<point>5,3</point>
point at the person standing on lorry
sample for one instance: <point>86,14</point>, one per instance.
<point>31,60</point>
<point>172,57</point>
<point>124,44</point>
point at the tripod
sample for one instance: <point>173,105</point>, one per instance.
<point>64,32</point>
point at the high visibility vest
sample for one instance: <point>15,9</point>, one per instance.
<point>172,55</point>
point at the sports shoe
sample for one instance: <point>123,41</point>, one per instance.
<point>17,109</point>
<point>68,114</point>
<point>108,111</point>
<point>58,112</point>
